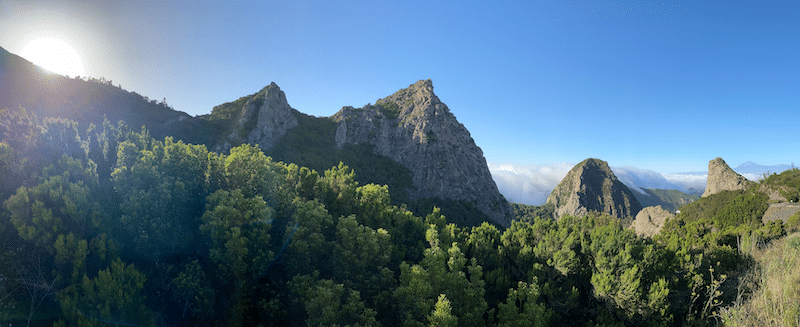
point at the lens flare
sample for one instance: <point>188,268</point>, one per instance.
<point>54,55</point>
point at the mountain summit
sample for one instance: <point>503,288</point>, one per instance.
<point>414,128</point>
<point>592,186</point>
<point>722,177</point>
<point>262,119</point>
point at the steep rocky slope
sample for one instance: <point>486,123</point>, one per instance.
<point>722,177</point>
<point>262,119</point>
<point>411,127</point>
<point>592,186</point>
<point>414,128</point>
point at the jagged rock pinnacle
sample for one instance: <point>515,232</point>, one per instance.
<point>722,177</point>
<point>414,128</point>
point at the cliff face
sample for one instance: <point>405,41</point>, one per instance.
<point>414,128</point>
<point>592,186</point>
<point>721,177</point>
<point>263,120</point>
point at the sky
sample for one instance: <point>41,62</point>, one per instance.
<point>660,86</point>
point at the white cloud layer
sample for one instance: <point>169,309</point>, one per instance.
<point>528,184</point>
<point>531,184</point>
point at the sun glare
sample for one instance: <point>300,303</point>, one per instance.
<point>54,55</point>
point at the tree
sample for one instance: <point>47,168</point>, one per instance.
<point>112,298</point>
<point>442,315</point>
<point>522,308</point>
<point>61,204</point>
<point>237,228</point>
<point>446,273</point>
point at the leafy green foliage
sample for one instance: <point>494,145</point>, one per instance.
<point>242,240</point>
<point>788,182</point>
<point>311,144</point>
<point>527,213</point>
<point>114,297</point>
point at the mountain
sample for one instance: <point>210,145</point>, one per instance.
<point>409,140</point>
<point>263,118</point>
<point>414,128</point>
<point>430,154</point>
<point>722,177</point>
<point>89,101</point>
<point>754,170</point>
<point>592,186</point>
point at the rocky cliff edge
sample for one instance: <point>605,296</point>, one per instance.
<point>414,128</point>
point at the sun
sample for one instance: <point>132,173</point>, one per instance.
<point>54,55</point>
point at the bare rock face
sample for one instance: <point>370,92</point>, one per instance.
<point>650,221</point>
<point>272,116</point>
<point>592,186</point>
<point>721,177</point>
<point>414,128</point>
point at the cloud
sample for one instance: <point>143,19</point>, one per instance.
<point>637,178</point>
<point>531,184</point>
<point>690,182</point>
<point>528,184</point>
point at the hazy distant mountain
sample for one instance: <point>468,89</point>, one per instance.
<point>752,170</point>
<point>592,186</point>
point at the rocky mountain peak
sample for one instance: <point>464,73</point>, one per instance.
<point>592,186</point>
<point>721,177</point>
<point>414,128</point>
<point>264,119</point>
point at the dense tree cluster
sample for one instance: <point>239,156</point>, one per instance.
<point>113,227</point>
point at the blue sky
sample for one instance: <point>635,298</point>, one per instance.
<point>654,85</point>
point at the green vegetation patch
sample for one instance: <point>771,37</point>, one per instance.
<point>789,183</point>
<point>527,213</point>
<point>312,144</point>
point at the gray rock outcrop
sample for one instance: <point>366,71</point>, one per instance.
<point>650,221</point>
<point>592,186</point>
<point>414,128</point>
<point>721,177</point>
<point>272,116</point>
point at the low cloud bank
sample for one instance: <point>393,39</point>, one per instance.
<point>528,184</point>
<point>531,184</point>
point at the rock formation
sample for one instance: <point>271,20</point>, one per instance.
<point>650,220</point>
<point>272,116</point>
<point>721,177</point>
<point>414,128</point>
<point>592,186</point>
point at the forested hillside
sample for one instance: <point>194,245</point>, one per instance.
<point>108,226</point>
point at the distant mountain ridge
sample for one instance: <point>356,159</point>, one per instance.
<point>749,167</point>
<point>88,101</point>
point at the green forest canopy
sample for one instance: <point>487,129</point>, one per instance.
<point>110,226</point>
